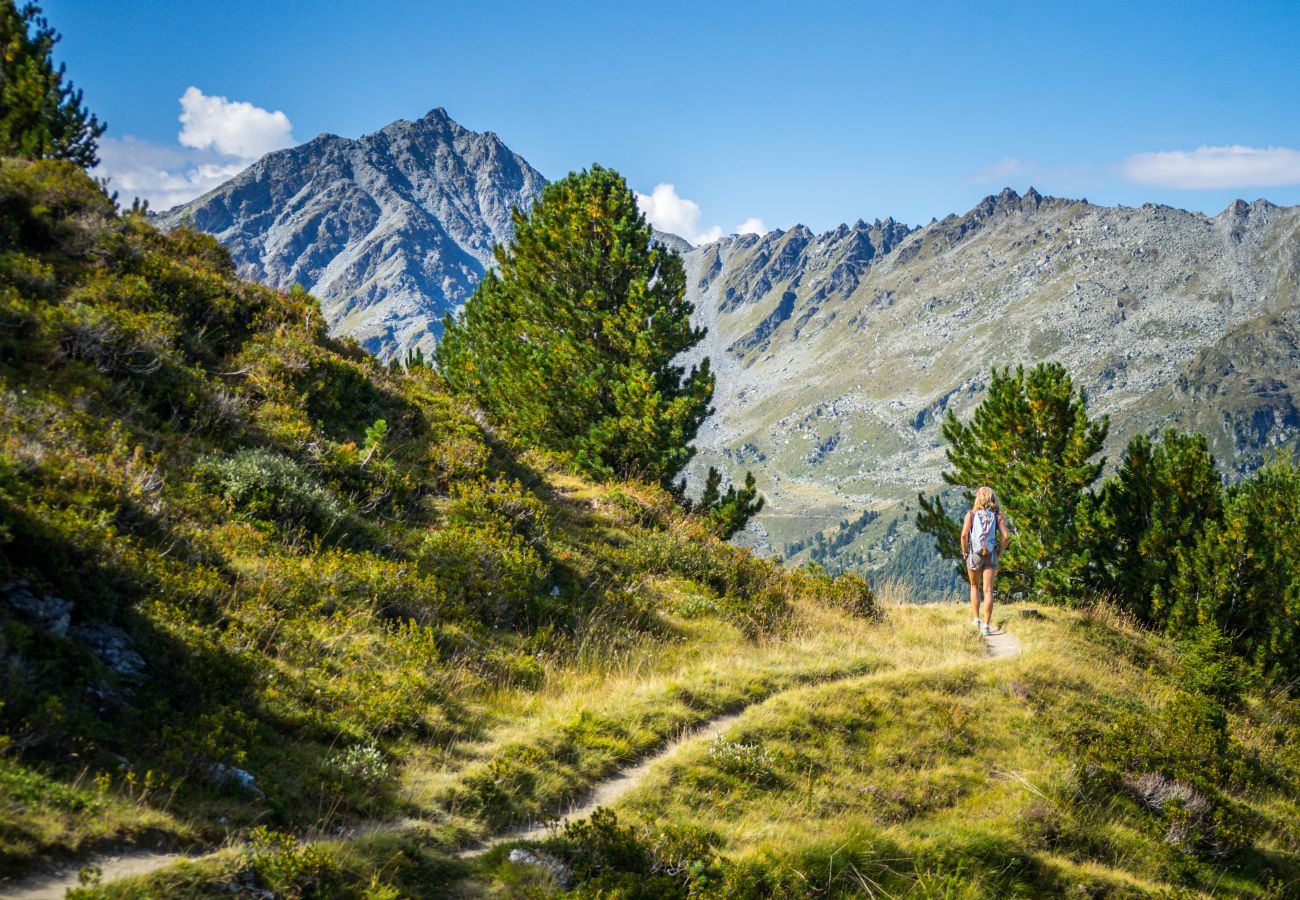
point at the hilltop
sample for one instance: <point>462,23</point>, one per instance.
<point>388,231</point>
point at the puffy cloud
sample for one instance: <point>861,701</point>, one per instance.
<point>232,128</point>
<point>165,176</point>
<point>1215,167</point>
<point>218,139</point>
<point>752,225</point>
<point>668,212</point>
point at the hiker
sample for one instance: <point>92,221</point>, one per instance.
<point>983,538</point>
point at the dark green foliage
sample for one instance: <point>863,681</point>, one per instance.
<point>41,114</point>
<point>728,513</point>
<point>611,860</point>
<point>1207,668</point>
<point>571,344</point>
<point>1243,574</point>
<point>1148,517</point>
<point>1030,440</point>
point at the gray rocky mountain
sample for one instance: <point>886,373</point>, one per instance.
<point>389,230</point>
<point>838,354</point>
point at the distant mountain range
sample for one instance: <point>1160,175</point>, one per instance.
<point>837,353</point>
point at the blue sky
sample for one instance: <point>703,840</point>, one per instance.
<point>782,112</point>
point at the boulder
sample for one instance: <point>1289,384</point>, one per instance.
<point>113,647</point>
<point>47,612</point>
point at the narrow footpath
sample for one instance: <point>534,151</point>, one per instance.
<point>53,885</point>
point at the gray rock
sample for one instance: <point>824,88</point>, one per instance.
<point>558,870</point>
<point>46,612</point>
<point>113,647</point>
<point>222,775</point>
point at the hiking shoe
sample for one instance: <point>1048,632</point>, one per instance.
<point>975,622</point>
<point>986,630</point>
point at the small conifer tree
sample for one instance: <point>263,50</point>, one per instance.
<point>728,513</point>
<point>571,343</point>
<point>41,114</point>
<point>1243,575</point>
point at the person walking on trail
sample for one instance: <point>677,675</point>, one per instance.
<point>983,538</point>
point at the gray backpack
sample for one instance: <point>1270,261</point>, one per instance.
<point>984,531</point>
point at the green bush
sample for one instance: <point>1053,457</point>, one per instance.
<point>492,572</point>
<point>268,487</point>
<point>1243,575</point>
<point>292,869</point>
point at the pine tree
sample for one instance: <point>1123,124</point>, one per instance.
<point>729,513</point>
<point>1031,441</point>
<point>571,344</point>
<point>1243,575</point>
<point>1147,517</point>
<point>41,115</point>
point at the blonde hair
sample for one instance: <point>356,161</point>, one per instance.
<point>985,499</point>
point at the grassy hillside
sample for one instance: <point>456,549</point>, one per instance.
<point>248,576</point>
<point>267,601</point>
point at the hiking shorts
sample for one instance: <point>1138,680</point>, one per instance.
<point>977,562</point>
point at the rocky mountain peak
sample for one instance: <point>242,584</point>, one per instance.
<point>389,231</point>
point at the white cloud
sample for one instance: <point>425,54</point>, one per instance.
<point>1215,167</point>
<point>668,212</point>
<point>219,138</point>
<point>1006,168</point>
<point>232,128</point>
<point>165,176</point>
<point>752,225</point>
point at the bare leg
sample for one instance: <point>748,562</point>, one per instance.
<point>989,575</point>
<point>974,592</point>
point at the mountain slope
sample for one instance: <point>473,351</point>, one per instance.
<point>837,355</point>
<point>388,231</point>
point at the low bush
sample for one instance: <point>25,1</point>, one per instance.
<point>267,487</point>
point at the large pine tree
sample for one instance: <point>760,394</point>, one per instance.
<point>41,115</point>
<point>1031,441</point>
<point>571,343</point>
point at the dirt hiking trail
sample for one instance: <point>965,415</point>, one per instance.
<point>54,884</point>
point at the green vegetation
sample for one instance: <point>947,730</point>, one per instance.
<point>572,343</point>
<point>1148,516</point>
<point>729,512</point>
<point>250,576</point>
<point>259,592</point>
<point>1163,538</point>
<point>41,114</point>
<point>1105,761</point>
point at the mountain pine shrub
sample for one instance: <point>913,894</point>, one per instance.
<point>268,487</point>
<point>1243,574</point>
